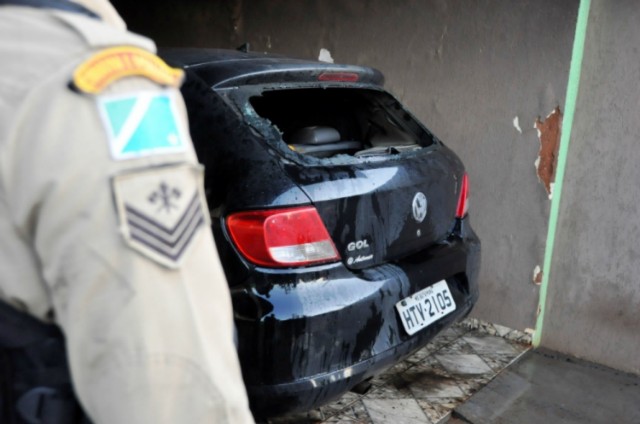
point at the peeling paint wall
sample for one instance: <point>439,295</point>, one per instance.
<point>593,300</point>
<point>549,135</point>
<point>477,73</point>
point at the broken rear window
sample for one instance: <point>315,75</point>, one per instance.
<point>324,122</point>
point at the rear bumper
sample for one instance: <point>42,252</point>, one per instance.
<point>307,336</point>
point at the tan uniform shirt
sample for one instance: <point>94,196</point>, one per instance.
<point>103,228</point>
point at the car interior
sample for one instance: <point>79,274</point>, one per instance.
<point>324,122</point>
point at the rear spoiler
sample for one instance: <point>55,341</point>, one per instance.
<point>230,68</point>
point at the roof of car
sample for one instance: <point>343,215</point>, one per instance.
<point>228,68</point>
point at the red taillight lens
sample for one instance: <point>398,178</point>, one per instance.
<point>463,200</point>
<point>339,76</point>
<point>282,237</point>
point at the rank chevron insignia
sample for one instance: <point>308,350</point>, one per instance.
<point>161,211</point>
<point>169,242</point>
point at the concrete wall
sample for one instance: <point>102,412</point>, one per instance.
<point>186,23</point>
<point>466,69</point>
<point>594,296</point>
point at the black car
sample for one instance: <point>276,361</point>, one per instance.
<point>340,220</point>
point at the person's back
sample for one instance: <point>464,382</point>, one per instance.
<point>103,225</point>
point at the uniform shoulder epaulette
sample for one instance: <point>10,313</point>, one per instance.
<point>119,54</point>
<point>111,64</point>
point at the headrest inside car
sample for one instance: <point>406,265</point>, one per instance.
<point>315,135</point>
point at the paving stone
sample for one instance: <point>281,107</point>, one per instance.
<point>471,385</point>
<point>451,333</point>
<point>459,347</point>
<point>498,362</point>
<point>334,408</point>
<point>428,350</point>
<point>391,391</point>
<point>489,345</point>
<point>355,413</point>
<point>385,411</point>
<point>427,386</point>
<point>501,330</point>
<point>443,388</point>
<point>464,364</point>
<point>437,410</point>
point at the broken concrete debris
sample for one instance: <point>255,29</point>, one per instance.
<point>325,56</point>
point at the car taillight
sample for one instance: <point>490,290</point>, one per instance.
<point>339,76</point>
<point>282,237</point>
<point>463,200</point>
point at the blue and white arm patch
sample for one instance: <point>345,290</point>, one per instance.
<point>161,211</point>
<point>142,124</point>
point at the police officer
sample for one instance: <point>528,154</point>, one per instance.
<point>103,224</point>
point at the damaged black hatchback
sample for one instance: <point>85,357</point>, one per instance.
<point>341,221</point>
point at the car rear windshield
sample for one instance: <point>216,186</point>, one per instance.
<point>324,122</point>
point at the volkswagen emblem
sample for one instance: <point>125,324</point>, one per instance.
<point>419,207</point>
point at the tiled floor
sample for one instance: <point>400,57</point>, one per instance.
<point>428,385</point>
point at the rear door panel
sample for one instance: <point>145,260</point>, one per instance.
<point>368,208</point>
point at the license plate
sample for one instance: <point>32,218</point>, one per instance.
<point>423,308</point>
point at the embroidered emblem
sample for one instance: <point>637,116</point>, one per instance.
<point>112,64</point>
<point>164,196</point>
<point>161,211</point>
<point>142,124</point>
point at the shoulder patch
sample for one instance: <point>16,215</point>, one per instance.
<point>112,64</point>
<point>142,124</point>
<point>161,211</point>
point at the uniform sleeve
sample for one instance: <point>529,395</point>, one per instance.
<point>109,190</point>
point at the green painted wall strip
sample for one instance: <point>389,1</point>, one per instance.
<point>567,124</point>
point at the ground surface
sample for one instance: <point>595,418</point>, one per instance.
<point>428,385</point>
<point>547,387</point>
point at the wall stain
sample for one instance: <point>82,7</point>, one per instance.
<point>549,135</point>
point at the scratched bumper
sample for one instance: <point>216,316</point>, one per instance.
<point>307,336</point>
